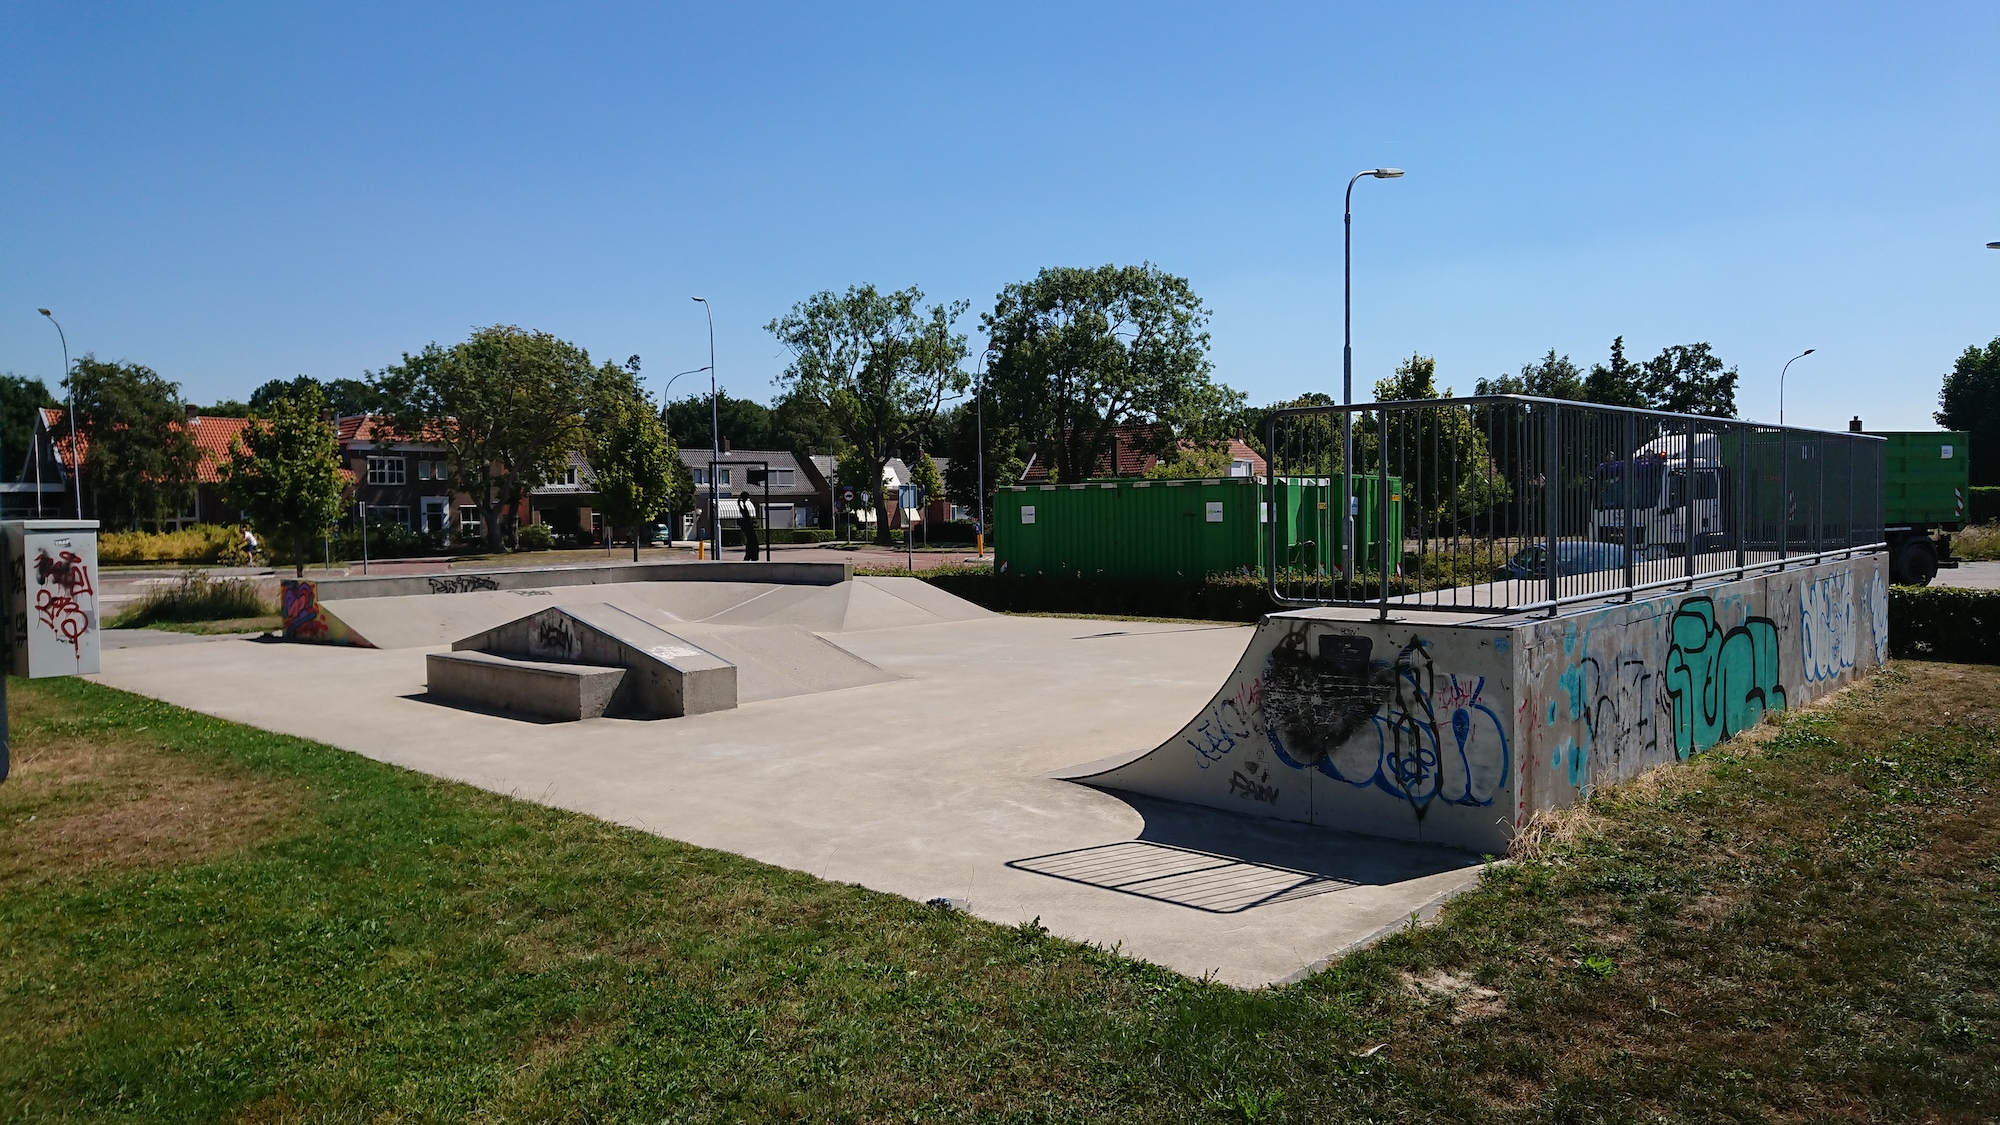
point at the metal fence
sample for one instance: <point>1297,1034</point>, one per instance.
<point>1514,503</point>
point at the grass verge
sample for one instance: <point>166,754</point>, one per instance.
<point>204,921</point>
<point>195,597</point>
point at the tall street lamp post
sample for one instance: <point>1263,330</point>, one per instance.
<point>665,420</point>
<point>1347,378</point>
<point>1781,383</point>
<point>75,444</point>
<point>714,441</point>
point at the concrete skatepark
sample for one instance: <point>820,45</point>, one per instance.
<point>887,734</point>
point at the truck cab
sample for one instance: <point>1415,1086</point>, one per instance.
<point>1677,492</point>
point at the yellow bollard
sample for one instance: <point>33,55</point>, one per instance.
<point>701,549</point>
<point>979,543</point>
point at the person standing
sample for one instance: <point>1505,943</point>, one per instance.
<point>746,522</point>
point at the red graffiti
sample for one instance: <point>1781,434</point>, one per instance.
<point>63,613</point>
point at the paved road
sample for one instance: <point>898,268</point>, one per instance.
<point>1971,576</point>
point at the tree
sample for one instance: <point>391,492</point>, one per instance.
<point>640,475</point>
<point>20,397</point>
<point>508,406</point>
<point>1615,383</point>
<point>1080,353</point>
<point>1441,454</point>
<point>1688,379</point>
<point>345,397</point>
<point>880,364</point>
<point>804,426</point>
<point>1552,376</point>
<point>924,474</point>
<point>284,471</point>
<point>139,458</point>
<point>1970,400</point>
<point>745,424</point>
<point>1192,462</point>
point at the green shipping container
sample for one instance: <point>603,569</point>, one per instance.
<point>1926,475</point>
<point>1177,528</point>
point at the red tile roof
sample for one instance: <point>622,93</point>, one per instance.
<point>1126,459</point>
<point>212,438</point>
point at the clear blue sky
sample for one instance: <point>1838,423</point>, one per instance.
<point>235,193</point>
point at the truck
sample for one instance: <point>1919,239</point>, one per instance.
<point>1678,492</point>
<point>1925,480</point>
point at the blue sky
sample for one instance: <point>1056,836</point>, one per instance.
<point>235,193</point>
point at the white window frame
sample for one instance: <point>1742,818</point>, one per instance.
<point>387,471</point>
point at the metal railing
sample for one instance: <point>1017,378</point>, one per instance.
<point>1509,503</point>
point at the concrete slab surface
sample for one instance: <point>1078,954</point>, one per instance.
<point>1971,576</point>
<point>929,785</point>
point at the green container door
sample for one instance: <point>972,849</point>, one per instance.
<point>1310,524</point>
<point>1925,476</point>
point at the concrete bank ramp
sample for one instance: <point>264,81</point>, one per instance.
<point>664,674</point>
<point>436,620</point>
<point>776,661</point>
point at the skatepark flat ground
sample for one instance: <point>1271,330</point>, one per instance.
<point>928,784</point>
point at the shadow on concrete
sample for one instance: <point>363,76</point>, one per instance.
<point>1223,863</point>
<point>455,705</point>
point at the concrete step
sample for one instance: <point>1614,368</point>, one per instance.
<point>562,692</point>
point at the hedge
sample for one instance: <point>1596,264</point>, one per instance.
<point>1983,506</point>
<point>1945,623</point>
<point>732,537</point>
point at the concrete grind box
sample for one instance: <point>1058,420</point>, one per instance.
<point>1433,727</point>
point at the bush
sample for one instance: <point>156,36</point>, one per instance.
<point>391,541</point>
<point>1945,623</point>
<point>1977,544</point>
<point>1983,504</point>
<point>731,537</point>
<point>196,597</point>
<point>1220,597</point>
<point>537,537</point>
<point>202,543</point>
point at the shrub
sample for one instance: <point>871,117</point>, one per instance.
<point>1982,504</point>
<point>196,597</point>
<point>1945,623</point>
<point>202,543</point>
<point>537,537</point>
<point>1978,544</point>
<point>391,541</point>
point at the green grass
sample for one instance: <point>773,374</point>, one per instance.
<point>200,921</point>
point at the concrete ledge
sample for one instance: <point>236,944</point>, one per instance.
<point>583,574</point>
<point>564,692</point>
<point>667,676</point>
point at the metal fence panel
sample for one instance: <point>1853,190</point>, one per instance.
<point>1515,503</point>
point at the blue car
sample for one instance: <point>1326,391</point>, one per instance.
<point>1571,558</point>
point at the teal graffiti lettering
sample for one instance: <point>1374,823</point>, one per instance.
<point>1720,683</point>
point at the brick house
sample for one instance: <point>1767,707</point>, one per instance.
<point>797,497</point>
<point>403,481</point>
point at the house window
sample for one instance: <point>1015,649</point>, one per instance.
<point>781,478</point>
<point>701,476</point>
<point>468,522</point>
<point>570,476</point>
<point>1241,468</point>
<point>385,470</point>
<point>725,476</point>
<point>423,470</point>
<point>398,514</point>
<point>441,471</point>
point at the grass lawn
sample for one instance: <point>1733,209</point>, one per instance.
<point>200,921</point>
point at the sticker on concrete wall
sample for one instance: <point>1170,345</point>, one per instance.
<point>1215,511</point>
<point>1027,513</point>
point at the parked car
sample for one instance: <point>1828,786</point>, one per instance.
<point>1571,558</point>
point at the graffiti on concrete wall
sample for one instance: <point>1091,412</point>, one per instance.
<point>1827,626</point>
<point>1720,682</point>
<point>298,603</point>
<point>1397,725</point>
<point>1230,722</point>
<point>1878,615</point>
<point>1615,699</point>
<point>462,584</point>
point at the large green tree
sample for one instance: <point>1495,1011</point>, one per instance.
<point>640,474</point>
<point>881,364</point>
<point>508,405</point>
<point>1615,383</point>
<point>20,397</point>
<point>284,471</point>
<point>139,457</point>
<point>1970,400</point>
<point>1688,379</point>
<point>1551,376</point>
<point>1079,353</point>
<point>345,397</point>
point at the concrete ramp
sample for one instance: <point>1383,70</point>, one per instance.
<point>437,620</point>
<point>1453,729</point>
<point>776,661</point>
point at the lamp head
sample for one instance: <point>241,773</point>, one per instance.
<point>1386,173</point>
<point>1993,246</point>
<point>46,313</point>
<point>703,300</point>
<point>1807,352</point>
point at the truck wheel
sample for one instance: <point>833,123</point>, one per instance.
<point>1918,561</point>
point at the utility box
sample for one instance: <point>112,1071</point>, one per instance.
<point>50,597</point>
<point>1187,528</point>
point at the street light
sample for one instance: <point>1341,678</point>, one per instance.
<point>1347,377</point>
<point>714,439</point>
<point>668,389</point>
<point>1993,246</point>
<point>75,445</point>
<point>979,442</point>
<point>1781,383</point>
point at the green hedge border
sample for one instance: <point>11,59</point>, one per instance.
<point>1944,623</point>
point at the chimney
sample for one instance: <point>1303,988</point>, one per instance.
<point>725,445</point>
<point>1854,424</point>
<point>193,411</point>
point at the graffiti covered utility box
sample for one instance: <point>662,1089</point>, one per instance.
<point>51,597</point>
